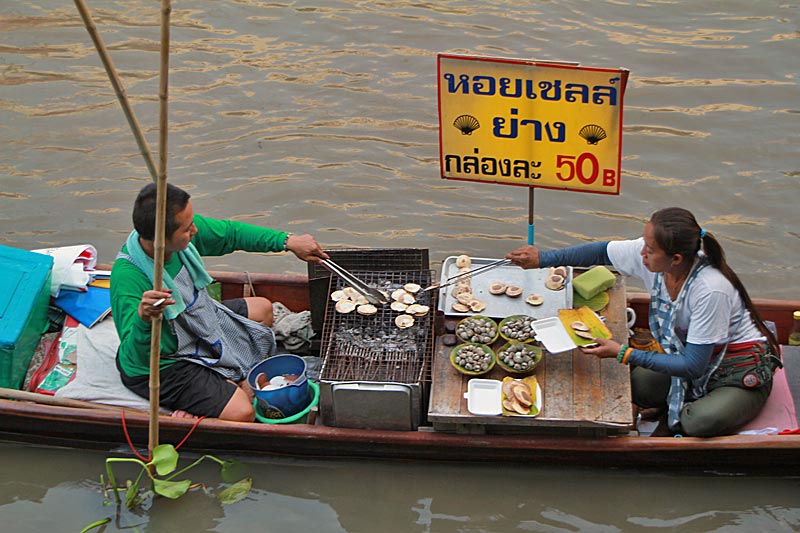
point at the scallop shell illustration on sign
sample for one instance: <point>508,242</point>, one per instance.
<point>467,124</point>
<point>592,133</point>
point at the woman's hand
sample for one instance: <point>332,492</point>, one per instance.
<point>525,256</point>
<point>305,247</point>
<point>153,303</point>
<point>605,348</point>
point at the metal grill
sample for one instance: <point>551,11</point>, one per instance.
<point>372,348</point>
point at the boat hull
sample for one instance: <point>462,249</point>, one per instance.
<point>110,429</point>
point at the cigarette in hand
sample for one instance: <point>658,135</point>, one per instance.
<point>158,303</point>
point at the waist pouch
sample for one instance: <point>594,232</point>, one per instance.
<point>747,365</point>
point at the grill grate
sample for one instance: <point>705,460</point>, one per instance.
<point>373,348</point>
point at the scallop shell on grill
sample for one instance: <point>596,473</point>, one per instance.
<point>560,270</point>
<point>345,306</point>
<point>404,321</point>
<point>417,309</point>
<point>338,295</point>
<point>366,309</point>
<point>398,306</point>
<point>463,261</point>
<point>412,288</point>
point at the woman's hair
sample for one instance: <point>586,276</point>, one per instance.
<point>144,210</point>
<point>677,232</point>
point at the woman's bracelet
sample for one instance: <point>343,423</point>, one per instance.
<point>286,242</point>
<point>621,353</point>
<point>624,354</point>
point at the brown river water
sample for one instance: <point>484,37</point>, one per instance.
<point>321,117</point>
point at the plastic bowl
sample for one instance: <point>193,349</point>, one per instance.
<point>287,400</point>
<point>297,418</point>
<point>507,321</point>
<point>534,350</point>
<point>464,324</point>
<point>486,349</point>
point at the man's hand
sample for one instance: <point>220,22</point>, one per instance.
<point>153,303</point>
<point>305,247</point>
<point>525,256</point>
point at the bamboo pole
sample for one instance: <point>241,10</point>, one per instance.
<point>44,399</point>
<point>118,87</point>
<point>161,209</point>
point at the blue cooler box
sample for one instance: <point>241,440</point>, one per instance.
<point>24,299</point>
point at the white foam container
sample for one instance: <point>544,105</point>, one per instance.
<point>484,397</point>
<point>552,334</point>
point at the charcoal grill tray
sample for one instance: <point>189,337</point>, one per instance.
<point>372,348</point>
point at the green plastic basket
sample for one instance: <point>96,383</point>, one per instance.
<point>297,418</point>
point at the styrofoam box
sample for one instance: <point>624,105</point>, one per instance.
<point>24,298</point>
<point>484,397</point>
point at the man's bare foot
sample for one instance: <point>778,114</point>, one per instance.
<point>181,414</point>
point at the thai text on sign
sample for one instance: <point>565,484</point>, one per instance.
<point>550,125</point>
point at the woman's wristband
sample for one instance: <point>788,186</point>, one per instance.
<point>624,354</point>
<point>286,242</point>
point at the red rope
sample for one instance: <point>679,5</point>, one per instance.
<point>190,432</point>
<point>137,454</point>
<point>128,438</point>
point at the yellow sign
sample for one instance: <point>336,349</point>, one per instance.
<point>536,124</point>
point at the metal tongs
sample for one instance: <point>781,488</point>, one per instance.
<point>461,276</point>
<point>373,295</point>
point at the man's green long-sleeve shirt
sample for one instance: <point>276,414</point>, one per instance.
<point>128,283</point>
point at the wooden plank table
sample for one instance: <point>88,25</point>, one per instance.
<point>582,394</point>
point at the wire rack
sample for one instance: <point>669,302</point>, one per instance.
<point>372,348</point>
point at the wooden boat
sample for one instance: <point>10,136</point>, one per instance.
<point>71,423</point>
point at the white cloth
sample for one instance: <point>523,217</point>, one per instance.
<point>713,312</point>
<point>71,266</point>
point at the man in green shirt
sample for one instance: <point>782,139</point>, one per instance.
<point>206,347</point>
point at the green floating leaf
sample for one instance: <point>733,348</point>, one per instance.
<point>236,492</point>
<point>171,489</point>
<point>165,459</point>
<point>232,470</point>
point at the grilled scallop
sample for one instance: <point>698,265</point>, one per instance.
<point>497,287</point>
<point>463,261</point>
<point>404,321</point>
<point>398,306</point>
<point>534,299</point>
<point>459,307</point>
<point>513,291</point>
<point>412,288</point>
<point>579,326</point>
<point>345,306</point>
<point>366,309</point>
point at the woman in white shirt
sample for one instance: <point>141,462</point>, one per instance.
<point>716,373</point>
